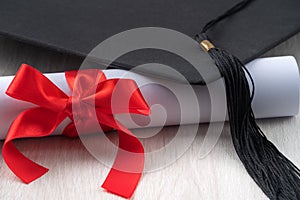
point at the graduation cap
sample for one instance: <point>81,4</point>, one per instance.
<point>76,27</point>
<point>245,28</point>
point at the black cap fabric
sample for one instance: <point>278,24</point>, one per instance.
<point>76,26</point>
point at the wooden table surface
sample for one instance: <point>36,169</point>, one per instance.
<point>75,174</point>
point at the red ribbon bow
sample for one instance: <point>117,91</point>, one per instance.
<point>54,106</point>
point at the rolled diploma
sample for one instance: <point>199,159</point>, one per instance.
<point>276,95</point>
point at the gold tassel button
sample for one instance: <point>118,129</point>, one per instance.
<point>206,45</point>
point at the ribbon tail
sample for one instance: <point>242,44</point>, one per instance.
<point>36,122</point>
<point>21,166</point>
<point>121,183</point>
<point>128,166</point>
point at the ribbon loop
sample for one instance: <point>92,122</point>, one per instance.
<point>32,86</point>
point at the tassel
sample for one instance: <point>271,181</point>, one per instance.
<point>271,170</point>
<point>276,175</point>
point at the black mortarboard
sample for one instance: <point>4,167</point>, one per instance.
<point>76,27</point>
<point>245,29</point>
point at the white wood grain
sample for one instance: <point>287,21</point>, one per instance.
<point>75,174</point>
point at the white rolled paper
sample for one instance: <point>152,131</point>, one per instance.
<point>276,95</point>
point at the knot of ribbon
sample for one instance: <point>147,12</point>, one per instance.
<point>92,95</point>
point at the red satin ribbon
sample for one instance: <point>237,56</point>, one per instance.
<point>53,106</point>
